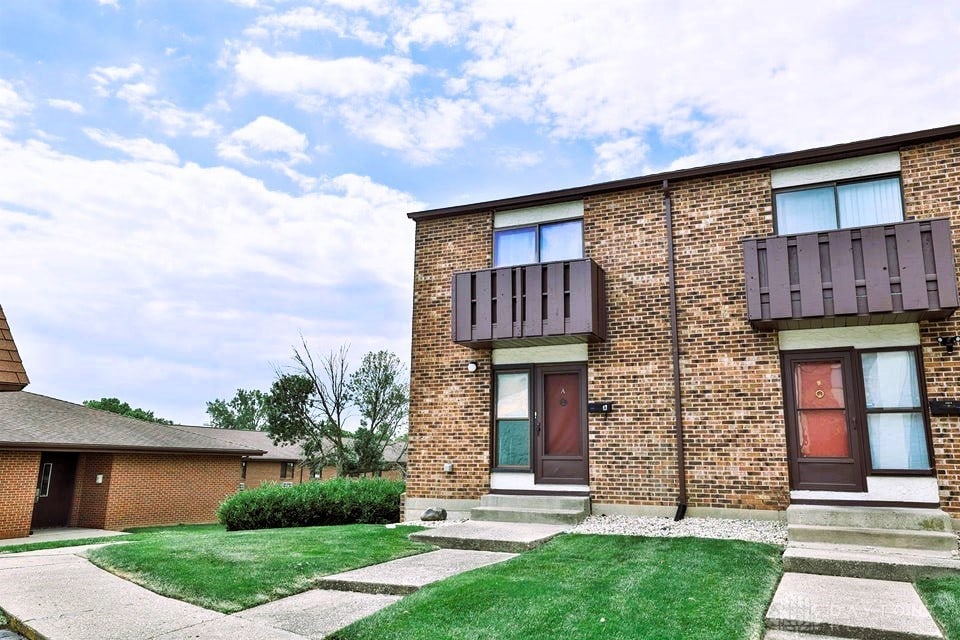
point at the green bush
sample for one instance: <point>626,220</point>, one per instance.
<point>337,501</point>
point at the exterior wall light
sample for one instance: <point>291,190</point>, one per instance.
<point>949,342</point>
<point>448,467</point>
<point>472,366</point>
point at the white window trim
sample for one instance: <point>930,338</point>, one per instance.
<point>851,168</point>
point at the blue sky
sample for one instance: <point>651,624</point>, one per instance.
<point>186,187</point>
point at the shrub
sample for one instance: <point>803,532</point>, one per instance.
<point>337,501</point>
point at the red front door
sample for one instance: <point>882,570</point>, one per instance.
<point>54,490</point>
<point>560,431</point>
<point>821,403</point>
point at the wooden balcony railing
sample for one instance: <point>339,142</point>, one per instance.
<point>900,272</point>
<point>534,304</point>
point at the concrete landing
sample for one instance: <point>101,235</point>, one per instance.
<point>314,614</point>
<point>406,575</point>
<point>877,563</point>
<point>849,608</point>
<point>510,537</point>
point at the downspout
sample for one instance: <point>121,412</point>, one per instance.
<point>675,343</point>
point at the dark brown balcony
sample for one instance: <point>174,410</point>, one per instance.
<point>534,304</point>
<point>880,274</point>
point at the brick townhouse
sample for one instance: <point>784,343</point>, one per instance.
<point>725,340</point>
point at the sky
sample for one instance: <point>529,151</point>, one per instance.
<point>188,186</point>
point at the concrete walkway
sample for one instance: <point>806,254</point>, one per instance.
<point>59,595</point>
<point>64,533</point>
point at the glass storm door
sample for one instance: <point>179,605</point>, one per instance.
<point>560,420</point>
<point>822,431</point>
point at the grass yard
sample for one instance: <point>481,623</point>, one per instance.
<point>942,597</point>
<point>586,587</point>
<point>231,571</point>
<point>136,534</point>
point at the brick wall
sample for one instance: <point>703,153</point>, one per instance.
<point>156,489</point>
<point>18,485</point>
<point>449,407</point>
<point>931,189</point>
<point>90,499</point>
<point>260,471</point>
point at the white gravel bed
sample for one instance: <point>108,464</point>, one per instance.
<point>768,531</point>
<point>424,523</point>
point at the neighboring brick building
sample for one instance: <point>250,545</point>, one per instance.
<point>63,464</point>
<point>806,362</point>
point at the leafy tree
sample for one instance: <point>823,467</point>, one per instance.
<point>113,405</point>
<point>381,395</point>
<point>311,406</point>
<point>247,411</point>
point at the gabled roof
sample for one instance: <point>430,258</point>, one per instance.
<point>777,161</point>
<point>35,422</point>
<point>13,377</point>
<point>252,439</point>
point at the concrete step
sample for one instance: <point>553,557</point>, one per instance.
<point>576,503</point>
<point>899,538</point>
<point>850,608</point>
<point>509,537</point>
<point>775,634</point>
<point>904,565</point>
<point>869,517</point>
<point>544,516</point>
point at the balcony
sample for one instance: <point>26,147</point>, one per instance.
<point>535,304</point>
<point>881,274</point>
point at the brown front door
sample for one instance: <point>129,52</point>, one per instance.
<point>560,425</point>
<point>823,436</point>
<point>54,490</point>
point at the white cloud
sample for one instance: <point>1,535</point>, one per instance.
<point>520,159</point>
<point>310,80</point>
<point>141,97</point>
<point>426,29</point>
<point>292,23</point>
<point>12,105</point>
<point>136,148</point>
<point>264,136</point>
<point>66,105</point>
<point>109,3</point>
<point>620,158</point>
<point>423,132</point>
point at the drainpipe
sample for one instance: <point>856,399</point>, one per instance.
<point>675,343</point>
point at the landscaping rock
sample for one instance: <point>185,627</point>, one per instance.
<point>433,515</point>
<point>768,531</point>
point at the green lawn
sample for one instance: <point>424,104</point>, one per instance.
<point>231,571</point>
<point>585,587</point>
<point>136,534</point>
<point>942,596</point>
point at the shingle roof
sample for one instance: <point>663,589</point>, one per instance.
<point>254,439</point>
<point>32,421</point>
<point>13,377</point>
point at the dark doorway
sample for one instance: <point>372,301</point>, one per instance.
<point>822,406</point>
<point>560,429</point>
<point>55,484</point>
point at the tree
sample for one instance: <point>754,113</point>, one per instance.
<point>113,405</point>
<point>311,406</point>
<point>247,411</point>
<point>381,395</point>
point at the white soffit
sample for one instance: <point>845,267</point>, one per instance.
<point>541,355</point>
<point>837,170</point>
<point>533,215</point>
<point>871,337</point>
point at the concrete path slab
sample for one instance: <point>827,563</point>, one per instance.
<point>850,607</point>
<point>317,613</point>
<point>511,537</point>
<point>56,535</point>
<point>406,575</point>
<point>230,628</point>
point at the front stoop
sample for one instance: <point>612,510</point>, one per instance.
<point>510,537</point>
<point>870,542</point>
<point>568,510</point>
<point>814,606</point>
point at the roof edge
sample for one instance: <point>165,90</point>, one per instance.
<point>787,159</point>
<point>49,446</point>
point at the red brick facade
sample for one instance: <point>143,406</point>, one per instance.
<point>18,482</point>
<point>735,445</point>
<point>260,471</point>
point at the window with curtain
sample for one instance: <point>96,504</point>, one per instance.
<point>513,419</point>
<point>839,206</point>
<point>895,423</point>
<point>545,242</point>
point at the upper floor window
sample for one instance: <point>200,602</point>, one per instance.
<point>839,205</point>
<point>544,242</point>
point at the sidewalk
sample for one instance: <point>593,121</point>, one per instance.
<point>59,595</point>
